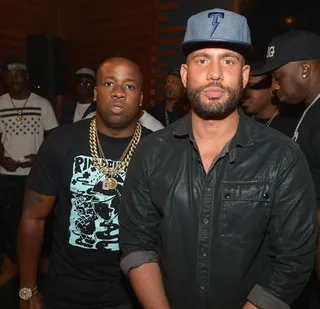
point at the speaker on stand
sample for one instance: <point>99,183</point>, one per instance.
<point>46,60</point>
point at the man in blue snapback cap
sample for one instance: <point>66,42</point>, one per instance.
<point>226,219</point>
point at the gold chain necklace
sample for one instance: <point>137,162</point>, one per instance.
<point>110,183</point>
<point>19,118</point>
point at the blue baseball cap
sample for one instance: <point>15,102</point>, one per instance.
<point>217,27</point>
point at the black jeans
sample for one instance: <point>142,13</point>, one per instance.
<point>11,200</point>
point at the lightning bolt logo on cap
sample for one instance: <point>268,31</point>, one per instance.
<point>215,20</point>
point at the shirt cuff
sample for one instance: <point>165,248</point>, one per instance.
<point>136,259</point>
<point>264,300</point>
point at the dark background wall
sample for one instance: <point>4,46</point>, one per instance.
<point>149,31</point>
<point>92,29</point>
<point>96,29</point>
<point>21,18</point>
<point>269,18</point>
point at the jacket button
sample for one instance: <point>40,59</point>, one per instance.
<point>204,252</point>
<point>208,189</point>
<point>266,195</point>
<point>202,286</point>
<point>227,196</point>
<point>205,221</point>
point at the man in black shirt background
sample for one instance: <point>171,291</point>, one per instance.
<point>259,102</point>
<point>83,103</point>
<point>172,108</point>
<point>293,58</point>
<point>83,167</point>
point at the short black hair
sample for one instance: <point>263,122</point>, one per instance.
<point>124,58</point>
<point>175,72</point>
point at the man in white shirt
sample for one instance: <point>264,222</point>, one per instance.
<point>84,83</point>
<point>25,119</point>
<point>149,121</point>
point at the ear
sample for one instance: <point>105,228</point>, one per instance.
<point>305,68</point>
<point>245,75</point>
<point>184,74</point>
<point>141,99</point>
<point>95,94</point>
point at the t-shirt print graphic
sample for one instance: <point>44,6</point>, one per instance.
<point>94,220</point>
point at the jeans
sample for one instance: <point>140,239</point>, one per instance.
<point>11,200</point>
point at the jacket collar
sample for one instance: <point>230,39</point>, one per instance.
<point>243,137</point>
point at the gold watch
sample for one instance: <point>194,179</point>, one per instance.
<point>27,293</point>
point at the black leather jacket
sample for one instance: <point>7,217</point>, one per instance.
<point>246,230</point>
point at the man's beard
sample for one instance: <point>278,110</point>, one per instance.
<point>214,110</point>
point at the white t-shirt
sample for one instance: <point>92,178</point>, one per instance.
<point>146,120</point>
<point>20,140</point>
<point>80,110</point>
<point>150,122</point>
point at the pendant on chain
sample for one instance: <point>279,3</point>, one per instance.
<point>109,184</point>
<point>20,118</point>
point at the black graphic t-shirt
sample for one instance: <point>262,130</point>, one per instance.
<point>84,267</point>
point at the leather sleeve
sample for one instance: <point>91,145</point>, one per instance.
<point>139,219</point>
<point>292,232</point>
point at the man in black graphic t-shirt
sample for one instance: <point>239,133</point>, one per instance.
<point>83,167</point>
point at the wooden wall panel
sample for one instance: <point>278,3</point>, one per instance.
<point>95,30</point>
<point>92,29</point>
<point>20,18</point>
<point>166,47</point>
